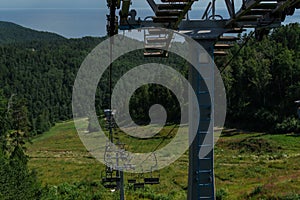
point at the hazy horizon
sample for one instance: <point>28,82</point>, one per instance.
<point>79,22</point>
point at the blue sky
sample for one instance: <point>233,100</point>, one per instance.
<point>52,3</point>
<point>76,3</point>
<point>74,23</point>
<point>60,3</point>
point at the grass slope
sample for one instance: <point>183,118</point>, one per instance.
<point>247,165</point>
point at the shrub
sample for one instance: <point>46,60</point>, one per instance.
<point>291,197</point>
<point>16,181</point>
<point>221,194</point>
<point>288,125</point>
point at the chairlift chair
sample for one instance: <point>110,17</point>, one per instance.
<point>131,181</point>
<point>110,180</point>
<point>136,183</point>
<point>152,180</point>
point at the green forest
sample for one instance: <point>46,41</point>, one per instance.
<point>37,74</point>
<point>262,82</point>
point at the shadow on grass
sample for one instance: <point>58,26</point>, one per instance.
<point>235,132</point>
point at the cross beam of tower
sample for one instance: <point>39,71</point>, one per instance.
<point>262,15</point>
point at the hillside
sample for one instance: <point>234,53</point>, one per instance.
<point>13,33</point>
<point>247,166</point>
<point>37,73</point>
<point>42,67</point>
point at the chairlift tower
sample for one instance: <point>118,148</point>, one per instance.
<point>211,31</point>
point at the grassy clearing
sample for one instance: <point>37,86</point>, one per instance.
<point>247,165</point>
<point>59,156</point>
<point>269,170</point>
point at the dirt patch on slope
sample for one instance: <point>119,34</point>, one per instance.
<point>254,145</point>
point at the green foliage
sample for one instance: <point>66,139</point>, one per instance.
<point>146,96</point>
<point>41,73</point>
<point>290,124</point>
<point>17,182</point>
<point>221,194</point>
<point>291,197</point>
<point>42,122</point>
<point>40,69</point>
<point>11,33</point>
<point>3,122</point>
<point>148,193</point>
<point>93,124</point>
<point>274,165</point>
<point>81,191</point>
<point>263,82</point>
<point>254,145</point>
<point>257,190</point>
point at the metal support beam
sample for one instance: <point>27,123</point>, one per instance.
<point>205,14</point>
<point>230,8</point>
<point>201,169</point>
<point>125,9</point>
<point>122,192</point>
<point>152,5</point>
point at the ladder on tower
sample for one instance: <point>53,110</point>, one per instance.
<point>157,41</point>
<point>226,41</point>
<point>201,170</point>
<point>170,12</point>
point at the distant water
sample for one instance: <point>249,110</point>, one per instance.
<point>76,23</point>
